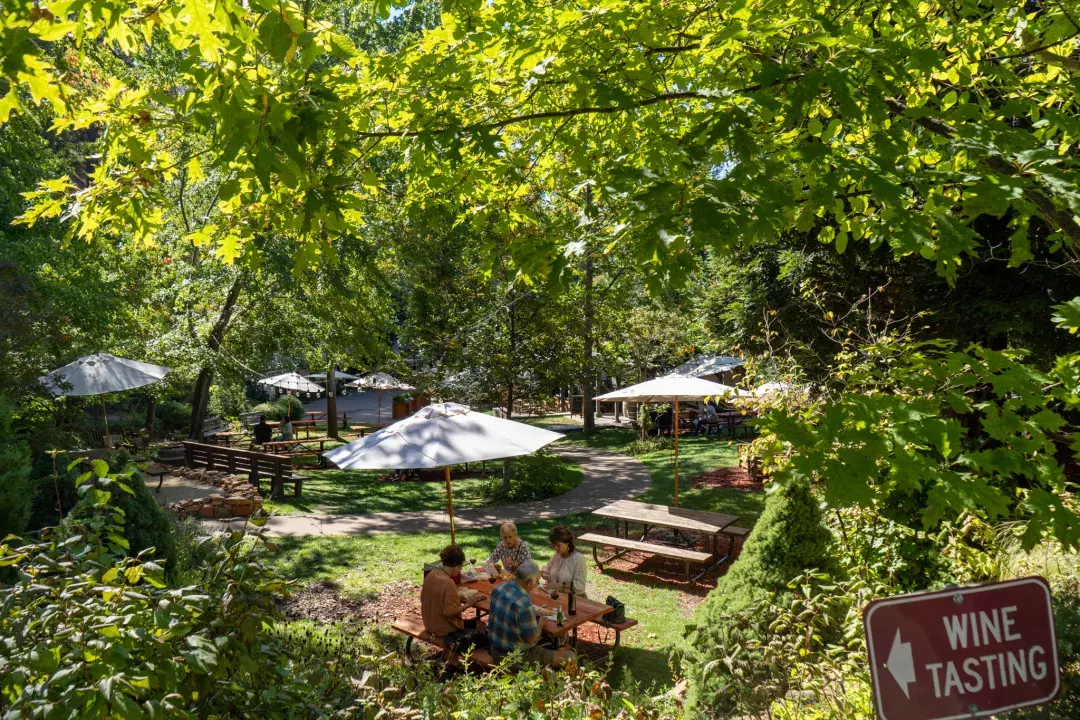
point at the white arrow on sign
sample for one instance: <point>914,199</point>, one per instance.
<point>901,664</point>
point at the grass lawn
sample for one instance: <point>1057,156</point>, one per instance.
<point>697,454</point>
<point>363,565</point>
<point>359,491</point>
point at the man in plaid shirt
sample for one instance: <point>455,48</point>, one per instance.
<point>512,622</point>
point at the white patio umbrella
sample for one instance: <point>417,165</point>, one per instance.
<point>101,373</point>
<point>443,434</point>
<point>291,381</point>
<point>672,388</point>
<point>380,381</point>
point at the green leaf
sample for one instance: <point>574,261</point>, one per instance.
<point>100,467</point>
<point>1067,315</point>
<point>125,708</point>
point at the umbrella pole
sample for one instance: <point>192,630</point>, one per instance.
<point>450,507</point>
<point>105,417</point>
<point>676,451</point>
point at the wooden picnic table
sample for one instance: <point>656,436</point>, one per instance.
<point>295,445</point>
<point>225,438</point>
<point>320,415</point>
<point>624,512</point>
<point>587,610</point>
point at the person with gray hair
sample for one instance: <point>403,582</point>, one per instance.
<point>512,622</point>
<point>511,550</point>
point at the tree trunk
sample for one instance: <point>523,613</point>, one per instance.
<point>588,419</point>
<point>587,382</point>
<point>200,397</point>
<point>331,402</point>
<point>151,411</point>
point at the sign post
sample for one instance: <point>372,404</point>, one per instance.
<point>963,653</point>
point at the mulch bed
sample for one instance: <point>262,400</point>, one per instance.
<point>321,601</point>
<point>729,478</point>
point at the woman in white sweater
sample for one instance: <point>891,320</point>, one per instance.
<point>566,568</point>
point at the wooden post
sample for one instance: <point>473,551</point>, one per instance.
<point>277,486</point>
<point>450,508</point>
<point>105,417</point>
<point>676,451</point>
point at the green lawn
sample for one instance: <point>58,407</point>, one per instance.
<point>359,491</point>
<point>696,455</point>
<point>362,565</point>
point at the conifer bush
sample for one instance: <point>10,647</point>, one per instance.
<point>789,539</point>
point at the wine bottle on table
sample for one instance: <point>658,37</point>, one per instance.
<point>571,603</point>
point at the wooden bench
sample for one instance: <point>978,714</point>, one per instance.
<point>617,627</point>
<point>257,465</point>
<point>626,545</point>
<point>413,628</point>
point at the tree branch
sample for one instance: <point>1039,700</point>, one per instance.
<point>1034,195</point>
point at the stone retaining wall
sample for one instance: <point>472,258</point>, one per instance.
<point>238,499</point>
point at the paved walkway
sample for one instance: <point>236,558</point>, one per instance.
<point>607,477</point>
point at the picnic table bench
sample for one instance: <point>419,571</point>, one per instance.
<point>675,553</point>
<point>257,465</point>
<point>412,626</point>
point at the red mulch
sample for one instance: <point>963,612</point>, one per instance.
<point>321,601</point>
<point>730,478</point>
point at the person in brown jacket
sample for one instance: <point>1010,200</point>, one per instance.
<point>440,604</point>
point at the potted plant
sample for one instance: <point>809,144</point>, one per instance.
<point>401,405</point>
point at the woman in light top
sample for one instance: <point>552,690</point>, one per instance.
<point>566,568</point>
<point>511,550</point>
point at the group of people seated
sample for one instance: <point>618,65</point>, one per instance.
<point>707,418</point>
<point>513,621</point>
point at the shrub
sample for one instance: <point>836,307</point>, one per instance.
<point>173,416</point>
<point>534,477</point>
<point>806,642</point>
<point>16,488</point>
<point>788,540</point>
<point>276,410</point>
<point>270,410</point>
<point>292,406</point>
<point>158,652</point>
<point>881,551</point>
<point>46,506</point>
<point>146,524</point>
<point>644,446</point>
